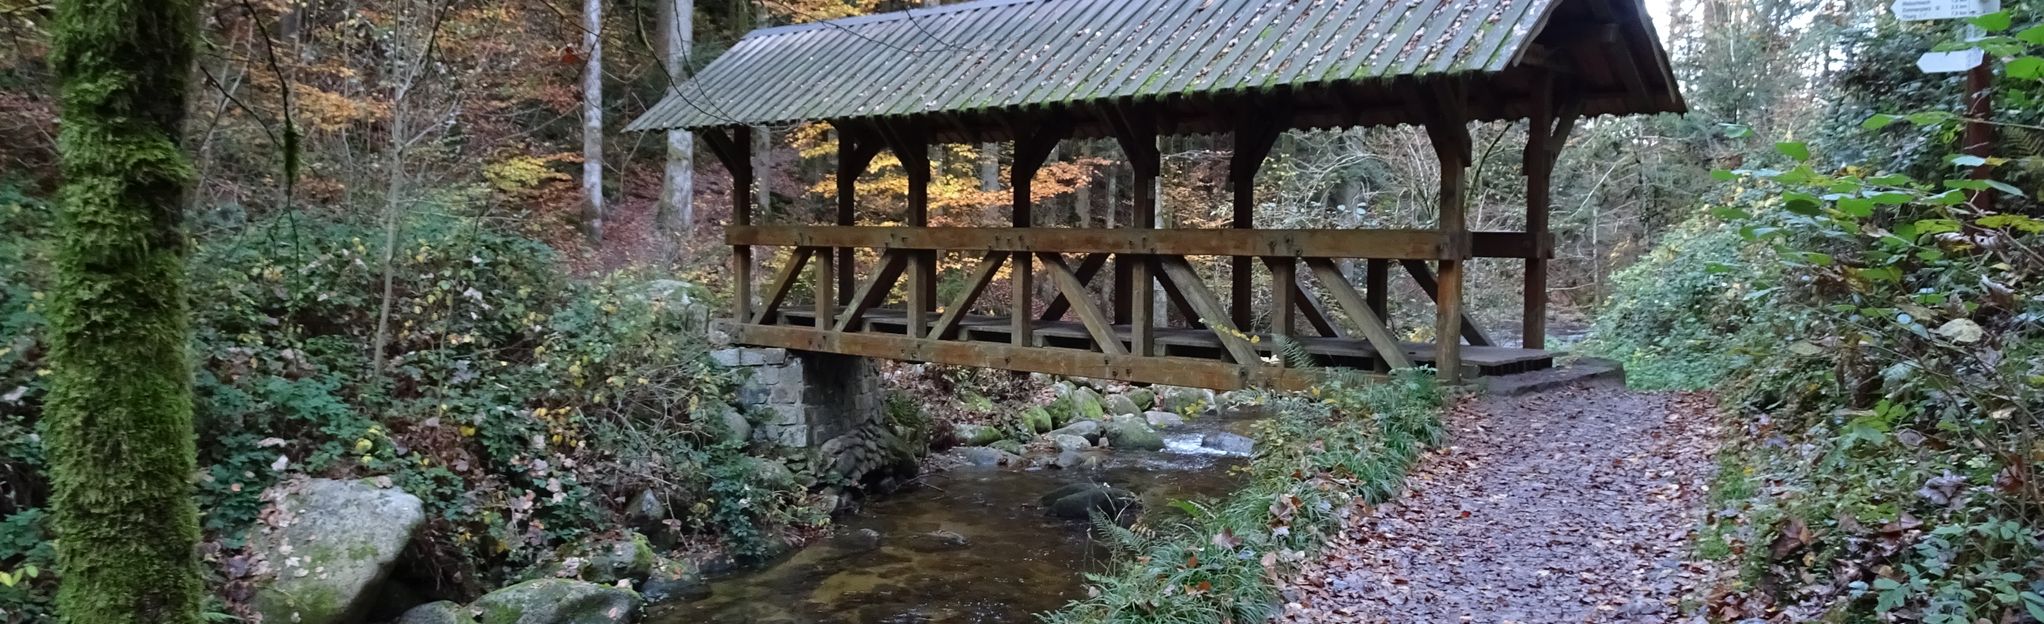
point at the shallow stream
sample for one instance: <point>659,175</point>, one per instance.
<point>884,565</point>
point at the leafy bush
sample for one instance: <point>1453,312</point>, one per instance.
<point>1674,311</point>
<point>521,405</point>
<point>1317,457</point>
<point>1886,464</point>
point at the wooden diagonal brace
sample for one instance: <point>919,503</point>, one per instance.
<point>1373,329</point>
<point>1180,273</point>
<point>1090,314</point>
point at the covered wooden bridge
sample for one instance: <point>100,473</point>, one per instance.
<point>1037,72</point>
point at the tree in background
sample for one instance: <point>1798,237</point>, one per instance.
<point>119,409</point>
<point>677,214</point>
<point>592,118</point>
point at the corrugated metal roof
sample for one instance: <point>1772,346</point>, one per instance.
<point>1005,54</point>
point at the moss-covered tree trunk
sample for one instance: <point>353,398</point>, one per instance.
<point>119,410</point>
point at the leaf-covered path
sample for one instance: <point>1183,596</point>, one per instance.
<point>1569,505</point>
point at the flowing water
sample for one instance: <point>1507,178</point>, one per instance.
<point>883,565</point>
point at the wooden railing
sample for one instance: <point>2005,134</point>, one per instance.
<point>1123,333</point>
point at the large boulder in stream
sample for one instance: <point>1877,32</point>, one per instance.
<point>329,545</point>
<point>1086,404</point>
<point>557,601</point>
<point>1132,432</point>
<point>1143,398</point>
<point>1078,501</point>
<point>1187,400</point>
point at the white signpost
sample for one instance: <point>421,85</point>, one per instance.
<point>1956,60</point>
<point>1921,10</point>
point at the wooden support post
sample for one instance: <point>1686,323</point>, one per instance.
<point>1284,281</point>
<point>1547,130</point>
<point>1377,287</point>
<point>1448,125</point>
<point>1255,133</point>
<point>911,147</point>
<point>735,152</point>
<point>857,145</point>
<point>1030,151</point>
<point>1135,288</point>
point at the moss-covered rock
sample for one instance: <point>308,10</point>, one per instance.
<point>1144,398</point>
<point>607,558</point>
<point>1132,432</point>
<point>558,601</point>
<point>1120,404</point>
<point>442,612</point>
<point>1038,420</point>
<point>1086,404</point>
<point>329,546</point>
<point>976,435</point>
<point>1078,501</point>
<point>1010,446</point>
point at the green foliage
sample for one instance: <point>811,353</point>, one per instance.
<point>1342,444</point>
<point>1673,313</point>
<point>1883,368</point>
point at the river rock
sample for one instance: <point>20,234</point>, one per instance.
<point>936,541</point>
<point>443,612</point>
<point>1232,444</point>
<point>1074,459</point>
<point>674,581</point>
<point>330,545</point>
<point>1088,429</point>
<point>1079,500</point>
<point>558,601</point>
<point>1132,432</point>
<point>1037,420</point>
<point>990,457</point>
<point>1010,446</point>
<point>861,540</point>
<point>607,558</point>
<point>1086,404</point>
<point>1144,398</point>
<point>1120,404</point>
<point>1067,442</point>
<point>975,435</point>
<point>1188,400</point>
<point>1161,420</point>
<point>647,511</point>
<point>736,429</point>
<point>767,473</point>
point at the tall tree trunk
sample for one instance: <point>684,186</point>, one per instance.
<point>119,411</point>
<point>989,166</point>
<point>678,183</point>
<point>592,119</point>
<point>1082,197</point>
<point>763,150</point>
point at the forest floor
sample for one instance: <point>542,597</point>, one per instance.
<point>1570,505</point>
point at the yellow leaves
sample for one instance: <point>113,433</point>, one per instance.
<point>468,431</point>
<point>523,173</point>
<point>363,445</point>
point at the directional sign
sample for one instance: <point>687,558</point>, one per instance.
<point>1950,62</point>
<point>1920,10</point>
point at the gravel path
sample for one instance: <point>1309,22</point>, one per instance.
<point>1570,505</point>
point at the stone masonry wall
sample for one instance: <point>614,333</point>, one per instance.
<point>829,403</point>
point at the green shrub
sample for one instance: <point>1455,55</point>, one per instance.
<point>1319,454</point>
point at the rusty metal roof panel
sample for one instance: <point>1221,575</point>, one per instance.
<point>1020,54</point>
